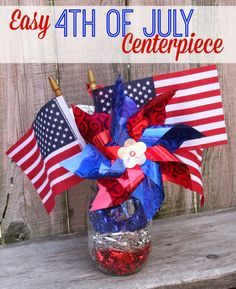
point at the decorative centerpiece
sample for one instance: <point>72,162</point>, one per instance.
<point>126,152</point>
<point>140,135</point>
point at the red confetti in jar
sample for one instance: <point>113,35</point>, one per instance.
<point>121,263</point>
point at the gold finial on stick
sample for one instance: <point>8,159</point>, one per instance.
<point>91,80</point>
<point>55,87</point>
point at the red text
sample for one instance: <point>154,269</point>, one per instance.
<point>25,22</point>
<point>178,46</point>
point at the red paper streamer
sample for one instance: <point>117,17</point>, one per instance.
<point>91,125</point>
<point>121,188</point>
<point>153,113</point>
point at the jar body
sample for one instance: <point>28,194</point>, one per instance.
<point>119,238</point>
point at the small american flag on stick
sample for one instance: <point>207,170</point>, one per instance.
<point>53,137</point>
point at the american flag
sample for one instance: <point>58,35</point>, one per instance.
<point>52,138</point>
<point>197,103</point>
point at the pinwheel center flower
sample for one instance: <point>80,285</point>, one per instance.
<point>132,153</point>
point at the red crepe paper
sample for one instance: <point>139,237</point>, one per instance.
<point>102,139</point>
<point>91,126</point>
<point>111,152</point>
<point>153,113</point>
<point>103,197</point>
<point>177,173</point>
<point>160,154</point>
<point>171,167</point>
<point>120,188</point>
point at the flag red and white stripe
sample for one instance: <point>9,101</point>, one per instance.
<point>193,159</point>
<point>44,170</point>
<point>197,103</point>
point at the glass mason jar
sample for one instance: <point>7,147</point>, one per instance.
<point>119,238</point>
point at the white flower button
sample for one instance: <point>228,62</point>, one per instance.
<point>132,153</point>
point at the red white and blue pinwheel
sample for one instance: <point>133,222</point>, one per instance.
<point>131,151</point>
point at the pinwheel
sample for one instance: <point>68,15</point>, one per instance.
<point>131,151</point>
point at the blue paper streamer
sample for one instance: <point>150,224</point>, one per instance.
<point>152,134</point>
<point>91,164</point>
<point>123,108</point>
<point>150,192</point>
<point>178,134</point>
<point>170,136</point>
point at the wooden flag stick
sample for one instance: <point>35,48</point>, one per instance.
<point>57,90</point>
<point>91,80</point>
<point>55,87</point>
